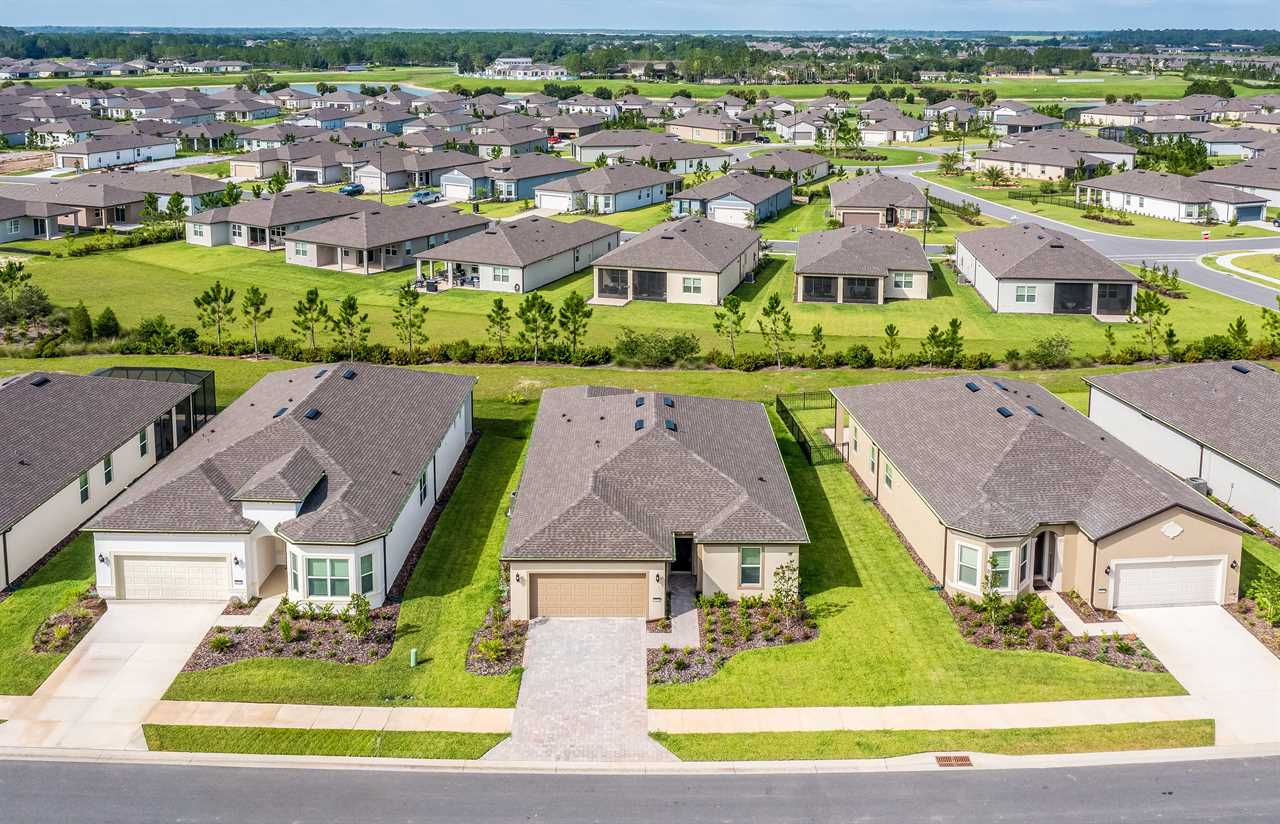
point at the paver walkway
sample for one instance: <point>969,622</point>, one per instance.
<point>584,694</point>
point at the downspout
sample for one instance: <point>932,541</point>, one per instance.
<point>944,555</point>
<point>4,542</point>
<point>386,588</point>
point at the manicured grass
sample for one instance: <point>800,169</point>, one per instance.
<point>53,588</point>
<point>357,743</point>
<point>796,221</point>
<point>850,744</point>
<point>454,584</point>
<point>1256,555</point>
<point>218,169</point>
<point>1143,226</point>
<point>893,157</point>
<point>1264,264</point>
<point>947,225</point>
<point>632,220</point>
<point>1251,273</point>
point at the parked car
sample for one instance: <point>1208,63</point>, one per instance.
<point>760,139</point>
<point>352,189</point>
<point>423,196</point>
<point>553,140</point>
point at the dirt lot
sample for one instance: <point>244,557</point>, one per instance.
<point>16,162</point>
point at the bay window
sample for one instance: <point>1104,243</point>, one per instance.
<point>328,577</point>
<point>1001,567</point>
<point>967,558</point>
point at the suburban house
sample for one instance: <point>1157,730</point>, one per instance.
<point>611,142</point>
<point>589,104</point>
<point>1210,423</point>
<point>1171,196</point>
<point>435,140</point>
<point>102,151</point>
<point>736,199</point>
<point>455,121</point>
<point>607,190</point>
<point>859,264</point>
<point>293,99</point>
<point>263,163</point>
<point>342,100</point>
<point>573,126</point>
<point>324,117</point>
<point>730,104</point>
<point>505,122</point>
<point>1113,114</point>
<point>1025,124</point>
<point>510,141</point>
<point>262,223</point>
<point>899,129</point>
<point>1233,142</point>
<point>875,109</point>
<point>506,178</point>
<point>277,135</point>
<point>71,130</point>
<point>1028,268</point>
<point>1259,177</point>
<point>207,136</point>
<point>998,110</point>
<point>72,443</point>
<point>597,529</point>
<point>673,156</point>
<point>93,205</point>
<point>1120,155</point>
<point>518,255</point>
<point>403,170</point>
<point>377,239</point>
<point>191,188</point>
<point>1040,162</point>
<point>245,110</point>
<point>805,128</point>
<point>317,479</point>
<point>31,220</point>
<point>877,200</point>
<point>996,483</point>
<point>835,104</point>
<point>954,109</point>
<point>383,119</point>
<point>801,167</point>
<point>1156,131</point>
<point>693,260</point>
<point>711,128</point>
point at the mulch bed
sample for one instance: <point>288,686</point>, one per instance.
<point>315,639</point>
<point>512,634</point>
<point>1088,612</point>
<point>661,626</point>
<point>237,607</point>
<point>1246,612</point>
<point>723,632</point>
<point>78,618</point>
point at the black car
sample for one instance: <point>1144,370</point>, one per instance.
<point>760,139</point>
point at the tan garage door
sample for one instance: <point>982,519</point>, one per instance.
<point>859,219</point>
<point>585,595</point>
<point>173,579</point>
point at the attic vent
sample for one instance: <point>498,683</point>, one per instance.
<point>350,374</point>
<point>1034,411</point>
<point>1243,370</point>
<point>639,424</point>
<point>280,411</point>
<point>669,402</point>
<point>1005,411</point>
<point>321,373</point>
<point>971,386</point>
<point>640,401</point>
<point>40,381</point>
<point>1001,387</point>
<point>670,424</point>
<point>311,414</point>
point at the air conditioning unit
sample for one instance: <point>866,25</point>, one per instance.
<point>1199,485</point>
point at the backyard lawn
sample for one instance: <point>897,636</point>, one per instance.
<point>893,157</point>
<point>348,743</point>
<point>51,589</point>
<point>795,221</point>
<point>1143,226</point>
<point>946,225</point>
<point>215,169</point>
<point>842,744</point>
<point>632,220</point>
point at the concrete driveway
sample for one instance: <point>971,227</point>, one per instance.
<point>1218,662</point>
<point>584,696</point>
<point>98,697</point>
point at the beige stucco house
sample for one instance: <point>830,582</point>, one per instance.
<point>997,479</point>
<point>859,264</point>
<point>622,490</point>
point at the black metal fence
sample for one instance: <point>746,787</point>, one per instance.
<point>816,448</point>
<point>1039,197</point>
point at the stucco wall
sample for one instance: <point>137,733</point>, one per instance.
<point>1199,536</point>
<point>111,545</point>
<point>719,570</point>
<point>655,574</point>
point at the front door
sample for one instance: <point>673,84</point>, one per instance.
<point>684,554</point>
<point>1046,558</point>
<point>890,216</point>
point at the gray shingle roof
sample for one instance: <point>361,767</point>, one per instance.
<point>509,137</point>
<point>285,208</point>
<point>693,244</point>
<point>522,166</point>
<point>666,152</point>
<point>595,487</point>
<point>112,143</point>
<point>782,160</point>
<point>993,476</point>
<point>1042,154</point>
<point>1229,411</point>
<point>1171,187</point>
<point>749,187</point>
<point>54,432</point>
<point>383,225</point>
<point>1029,251</point>
<point>520,242</point>
<point>609,180</point>
<point>374,434</point>
<point>875,191</point>
<point>1258,173</point>
<point>859,250</point>
<point>610,138</point>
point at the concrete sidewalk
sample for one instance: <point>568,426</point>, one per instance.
<point>1077,627</point>
<point>314,717</point>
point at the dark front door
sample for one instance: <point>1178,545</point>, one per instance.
<point>39,226</point>
<point>890,216</point>
<point>1072,298</point>
<point>1114,298</point>
<point>684,554</point>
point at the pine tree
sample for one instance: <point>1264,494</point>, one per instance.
<point>215,309</point>
<point>79,326</point>
<point>775,326</point>
<point>574,314</point>
<point>350,326</point>
<point>409,317</point>
<point>309,314</point>
<point>499,328</point>
<point>255,310</point>
<point>539,320</point>
<point>106,326</point>
<point>728,323</point>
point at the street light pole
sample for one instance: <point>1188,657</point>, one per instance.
<point>925,243</point>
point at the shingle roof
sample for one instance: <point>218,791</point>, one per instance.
<point>508,137</point>
<point>79,191</point>
<point>875,191</point>
<point>596,487</point>
<point>897,124</point>
<point>782,160</point>
<point>1229,411</point>
<point>284,208</point>
<point>383,225</point>
<point>859,250</point>
<point>1258,173</point>
<point>622,137</point>
<point>521,166</point>
<point>55,431</point>
<point>1031,119</point>
<point>112,143</point>
<point>749,187</point>
<point>996,476</point>
<point>609,180</point>
<point>699,120</point>
<point>1171,187</point>
<point>693,244</point>
<point>1044,155</point>
<point>1029,251</point>
<point>520,242</point>
<point>576,120</point>
<point>372,437</point>
<point>672,151</point>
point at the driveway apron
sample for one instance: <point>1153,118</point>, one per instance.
<point>584,696</point>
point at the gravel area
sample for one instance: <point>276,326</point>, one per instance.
<point>723,632</point>
<point>1246,612</point>
<point>316,639</point>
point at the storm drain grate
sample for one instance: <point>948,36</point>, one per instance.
<point>953,760</point>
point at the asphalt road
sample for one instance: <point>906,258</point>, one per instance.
<point>1207,791</point>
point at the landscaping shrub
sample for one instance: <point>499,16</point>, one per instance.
<point>220,643</point>
<point>1051,352</point>
<point>654,349</point>
<point>859,356</point>
<point>1264,590</point>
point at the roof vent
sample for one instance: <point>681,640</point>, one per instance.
<point>1243,370</point>
<point>40,381</point>
<point>311,414</point>
<point>670,425</point>
<point>1034,411</point>
<point>350,374</point>
<point>1005,411</point>
<point>280,411</point>
<point>321,373</point>
<point>669,402</point>
<point>971,386</point>
<point>1001,387</point>
<point>639,424</point>
<point>639,401</point>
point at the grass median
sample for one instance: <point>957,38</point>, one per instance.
<point>349,743</point>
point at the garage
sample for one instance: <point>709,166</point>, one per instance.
<point>729,216</point>
<point>172,578</point>
<point>1247,213</point>
<point>456,191</point>
<point>306,175</point>
<point>554,200</point>
<point>871,219</point>
<point>1166,582</point>
<point>587,595</point>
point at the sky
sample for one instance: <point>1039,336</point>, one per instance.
<point>663,14</point>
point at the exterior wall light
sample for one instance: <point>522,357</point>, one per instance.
<point>1106,571</point>
<point>102,559</point>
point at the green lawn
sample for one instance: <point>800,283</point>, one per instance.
<point>1143,226</point>
<point>947,225</point>
<point>849,744</point>
<point>893,157</point>
<point>632,220</point>
<point>358,743</point>
<point>1257,554</point>
<point>53,588</point>
<point>217,168</point>
<point>452,587</point>
<point>1265,264</point>
<point>795,221</point>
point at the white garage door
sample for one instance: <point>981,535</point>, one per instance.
<point>173,579</point>
<point>456,191</point>
<point>733,217</point>
<point>549,200</point>
<point>1166,583</point>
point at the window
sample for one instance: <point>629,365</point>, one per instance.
<point>299,249</point>
<point>903,280</point>
<point>501,274</point>
<point>967,565</point>
<point>15,226</point>
<point>1023,555</point>
<point>871,462</point>
<point>854,437</point>
<point>118,214</point>
<point>142,444</point>
<point>366,574</point>
<point>888,474</point>
<point>108,469</point>
<point>422,486</point>
<point>197,230</point>
<point>749,566</point>
<point>84,487</point>
<point>1141,201</point>
<point>293,572</point>
<point>1003,558</point>
<point>408,248</point>
<point>1024,294</point>
<point>1190,211</point>
<point>691,286</point>
<point>391,251</point>
<point>328,577</point>
<point>237,230</point>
